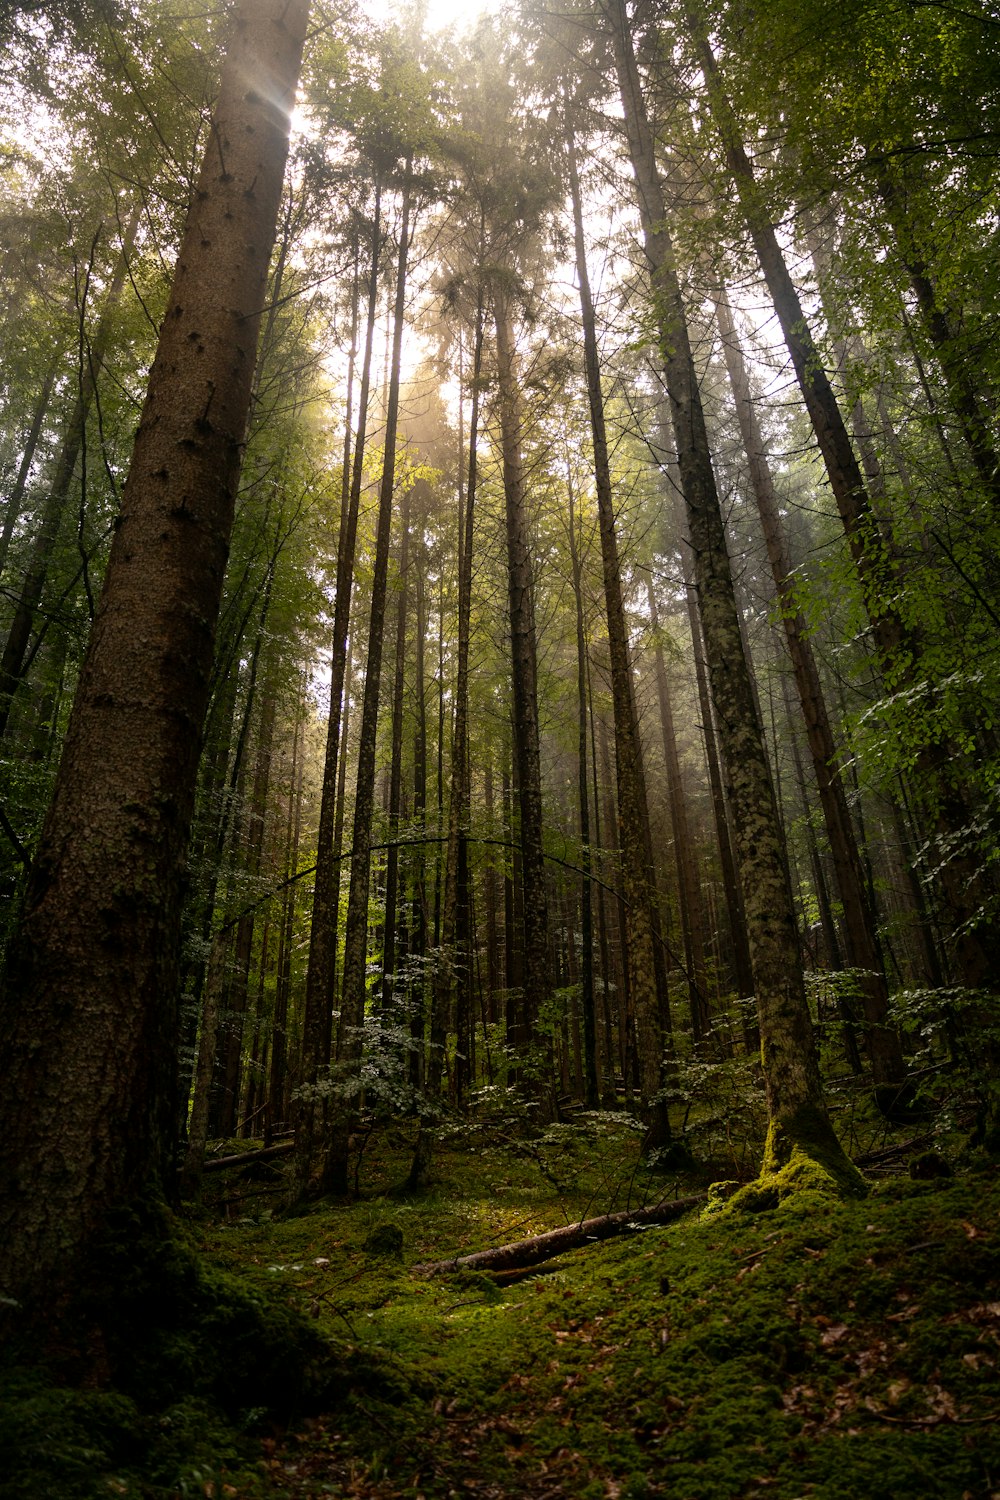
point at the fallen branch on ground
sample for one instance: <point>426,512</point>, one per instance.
<point>264,1153</point>
<point>539,1247</point>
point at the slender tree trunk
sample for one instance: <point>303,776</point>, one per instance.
<point>15,500</point>
<point>309,1110</point>
<point>396,765</point>
<point>964,392</point>
<point>278,1089</point>
<point>688,880</point>
<point>590,1091</point>
<point>89,1015</point>
<point>12,661</point>
<point>798,1121</point>
<point>419,1067</point>
<point>237,994</point>
<point>524,677</point>
<point>609,1069</point>
<point>354,987</point>
<point>646,982</point>
<point>456,868</point>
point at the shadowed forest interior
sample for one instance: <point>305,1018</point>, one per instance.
<point>500,676</point>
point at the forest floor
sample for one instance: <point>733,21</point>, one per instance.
<point>823,1349</point>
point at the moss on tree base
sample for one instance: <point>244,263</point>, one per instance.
<point>803,1160</point>
<point>162,1370</point>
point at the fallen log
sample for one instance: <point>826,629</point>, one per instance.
<point>539,1247</point>
<point>244,1158</point>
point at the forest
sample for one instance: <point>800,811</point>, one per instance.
<point>499,748</point>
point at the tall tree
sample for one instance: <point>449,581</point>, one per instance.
<point>89,1017</point>
<point>799,1126</point>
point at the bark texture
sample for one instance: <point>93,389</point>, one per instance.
<point>798,1118</point>
<point>524,679</point>
<point>646,987</point>
<point>541,1247</point>
<point>89,1018</point>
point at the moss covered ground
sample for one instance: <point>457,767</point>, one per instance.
<point>821,1348</point>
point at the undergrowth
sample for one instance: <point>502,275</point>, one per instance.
<point>820,1349</point>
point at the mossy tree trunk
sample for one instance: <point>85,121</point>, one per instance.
<point>798,1122</point>
<point>89,1021</point>
<point>860,928</point>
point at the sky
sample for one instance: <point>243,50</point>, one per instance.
<point>439,15</point>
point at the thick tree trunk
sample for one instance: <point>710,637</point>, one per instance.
<point>89,1016</point>
<point>798,1122</point>
<point>860,929</point>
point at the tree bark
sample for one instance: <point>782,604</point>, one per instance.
<point>89,1015</point>
<point>541,1247</point>
<point>798,1121</point>
<point>646,979</point>
<point>524,677</point>
<point>354,987</point>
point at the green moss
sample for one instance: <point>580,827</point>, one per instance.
<point>188,1361</point>
<point>803,1167</point>
<point>833,1348</point>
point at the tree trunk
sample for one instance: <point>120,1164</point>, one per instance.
<point>688,880</point>
<point>396,766</point>
<point>354,986</point>
<point>455,958</point>
<point>524,676</point>
<point>591,1090</point>
<point>12,510</point>
<point>309,1110</point>
<point>90,1017</point>
<point>541,1247</point>
<point>860,929</point>
<point>646,982</point>
<point>799,1126</point>
<point>12,661</point>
